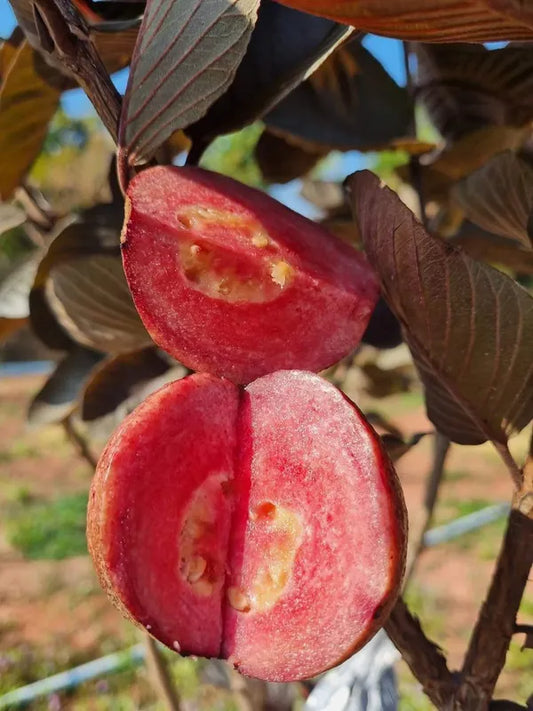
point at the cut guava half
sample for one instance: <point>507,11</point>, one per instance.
<point>230,281</point>
<point>262,525</point>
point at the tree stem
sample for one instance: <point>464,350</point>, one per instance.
<point>161,678</point>
<point>69,40</point>
<point>495,626</point>
<point>423,656</point>
<point>441,446</point>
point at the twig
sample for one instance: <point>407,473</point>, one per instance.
<point>423,656</point>
<point>69,41</point>
<point>495,626</point>
<point>159,671</point>
<point>79,443</point>
<point>414,162</point>
<point>512,466</point>
<point>441,446</point>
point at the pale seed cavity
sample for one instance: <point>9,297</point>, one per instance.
<point>199,218</point>
<point>218,274</point>
<point>278,533</point>
<point>197,538</point>
<point>281,273</point>
<point>237,599</point>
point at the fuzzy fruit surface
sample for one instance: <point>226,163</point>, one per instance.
<point>229,281</point>
<point>262,525</point>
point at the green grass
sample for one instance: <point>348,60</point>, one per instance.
<point>52,530</point>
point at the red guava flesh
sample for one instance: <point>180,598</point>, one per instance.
<point>229,281</point>
<point>262,525</point>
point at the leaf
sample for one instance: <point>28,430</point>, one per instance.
<point>10,216</point>
<point>466,86</point>
<point>469,327</point>
<point>27,104</point>
<point>439,171</point>
<point>15,289</point>
<point>119,385</point>
<point>349,102</point>
<point>499,197</point>
<point>90,298</point>
<point>115,48</point>
<point>186,56</point>
<point>57,398</point>
<point>281,161</point>
<point>430,20</point>
<point>81,286</point>
<point>396,446</point>
<point>487,247</point>
<point>120,378</point>
<point>286,46</point>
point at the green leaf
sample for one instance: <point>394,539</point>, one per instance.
<point>350,102</point>
<point>499,197</point>
<point>286,46</point>
<point>58,397</point>
<point>469,327</point>
<point>186,56</point>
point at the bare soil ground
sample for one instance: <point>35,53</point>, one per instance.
<point>55,609</point>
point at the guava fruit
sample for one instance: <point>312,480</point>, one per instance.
<point>264,525</point>
<point>229,281</point>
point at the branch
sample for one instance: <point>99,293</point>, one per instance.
<point>512,466</point>
<point>441,446</point>
<point>159,671</point>
<point>79,443</point>
<point>495,626</point>
<point>423,657</point>
<point>69,41</point>
<point>414,162</point>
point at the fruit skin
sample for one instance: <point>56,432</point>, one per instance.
<point>296,441</point>
<point>229,281</point>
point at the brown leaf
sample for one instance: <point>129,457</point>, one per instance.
<point>469,327</point>
<point>15,289</point>
<point>281,161</point>
<point>80,291</point>
<point>499,197</point>
<point>115,48</point>
<point>27,104</point>
<point>119,385</point>
<point>430,20</point>
<point>57,398</point>
<point>286,46</point>
<point>396,446</point>
<point>439,171</point>
<point>90,298</point>
<point>466,86</point>
<point>120,378</point>
<point>487,247</point>
<point>186,56</point>
<point>350,102</point>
